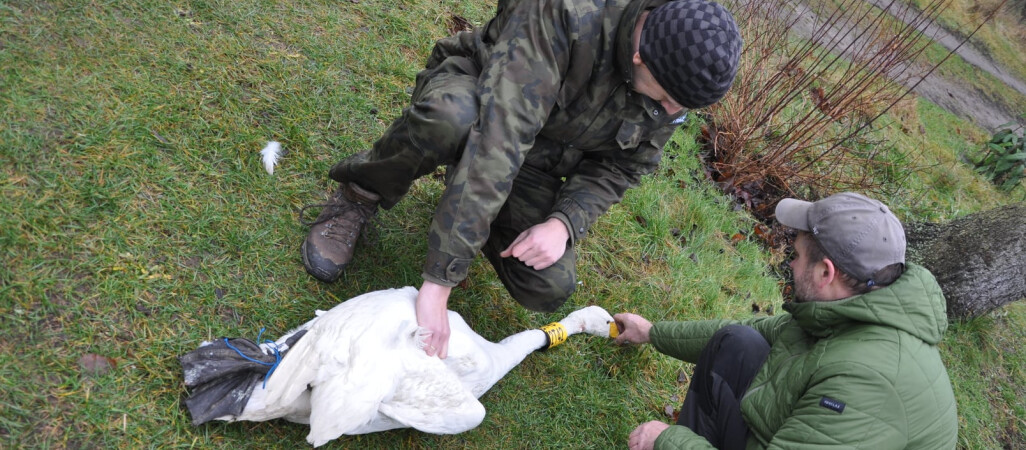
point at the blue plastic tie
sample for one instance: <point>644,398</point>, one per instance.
<point>274,346</point>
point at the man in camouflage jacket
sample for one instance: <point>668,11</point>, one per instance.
<point>544,116</point>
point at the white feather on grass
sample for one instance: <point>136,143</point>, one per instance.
<point>270,155</point>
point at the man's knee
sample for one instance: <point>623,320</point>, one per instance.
<point>735,353</point>
<point>445,109</point>
<point>738,337</point>
<point>454,113</point>
<point>542,298</point>
<point>440,129</point>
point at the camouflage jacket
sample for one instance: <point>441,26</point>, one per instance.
<point>555,93</point>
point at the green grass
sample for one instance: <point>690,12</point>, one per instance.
<point>137,221</point>
<point>988,372</point>
<point>934,143</point>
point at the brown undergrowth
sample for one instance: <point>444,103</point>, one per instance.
<point>803,114</point>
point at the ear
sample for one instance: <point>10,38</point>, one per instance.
<point>636,59</point>
<point>825,273</point>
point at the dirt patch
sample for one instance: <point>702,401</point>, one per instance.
<point>965,101</point>
<point>954,42</point>
<point>955,96</point>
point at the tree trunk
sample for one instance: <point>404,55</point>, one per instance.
<point>979,260</point>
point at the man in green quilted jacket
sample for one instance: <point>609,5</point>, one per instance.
<point>544,117</point>
<point>852,364</point>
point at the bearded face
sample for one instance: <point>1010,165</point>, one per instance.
<point>803,269</point>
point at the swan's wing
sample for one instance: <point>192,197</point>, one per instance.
<point>362,351</point>
<point>324,351</point>
<point>432,399</point>
<point>343,401</point>
<point>392,384</point>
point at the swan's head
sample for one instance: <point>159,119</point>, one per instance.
<point>592,320</point>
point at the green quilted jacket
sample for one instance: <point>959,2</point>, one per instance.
<point>862,372</point>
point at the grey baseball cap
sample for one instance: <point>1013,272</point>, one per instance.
<point>859,234</point>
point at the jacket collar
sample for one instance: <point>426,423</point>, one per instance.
<point>624,32</point>
<point>914,303</point>
<point>625,54</point>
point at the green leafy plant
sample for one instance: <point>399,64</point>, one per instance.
<point>1003,161</point>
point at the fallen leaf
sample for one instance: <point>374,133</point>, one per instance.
<point>147,311</point>
<point>160,138</point>
<point>819,98</point>
<point>682,377</point>
<point>93,364</point>
<point>457,24</point>
<point>761,230</point>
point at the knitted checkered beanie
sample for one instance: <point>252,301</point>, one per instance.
<point>692,48</point>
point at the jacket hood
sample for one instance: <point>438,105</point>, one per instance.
<point>914,304</point>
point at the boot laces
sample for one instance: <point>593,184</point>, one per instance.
<point>340,225</point>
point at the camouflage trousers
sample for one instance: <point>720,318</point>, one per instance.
<point>432,132</point>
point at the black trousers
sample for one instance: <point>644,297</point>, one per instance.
<point>727,365</point>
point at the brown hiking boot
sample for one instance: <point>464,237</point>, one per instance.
<point>329,246</point>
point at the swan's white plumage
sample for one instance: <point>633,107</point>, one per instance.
<point>361,368</point>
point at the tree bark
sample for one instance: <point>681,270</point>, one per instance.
<point>979,260</point>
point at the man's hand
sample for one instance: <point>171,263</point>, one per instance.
<point>633,329</point>
<point>539,246</point>
<point>644,436</point>
<point>433,314</point>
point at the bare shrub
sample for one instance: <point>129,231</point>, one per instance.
<point>811,83</point>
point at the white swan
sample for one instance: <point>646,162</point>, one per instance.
<point>360,368</point>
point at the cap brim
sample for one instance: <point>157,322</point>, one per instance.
<point>794,213</point>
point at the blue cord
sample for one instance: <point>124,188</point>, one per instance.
<point>274,346</point>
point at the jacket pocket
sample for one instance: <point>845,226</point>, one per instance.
<point>631,135</point>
